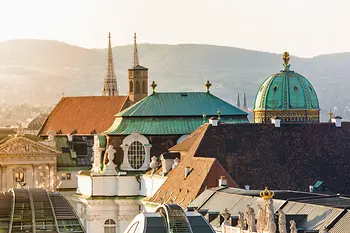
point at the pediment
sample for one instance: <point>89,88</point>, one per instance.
<point>24,146</point>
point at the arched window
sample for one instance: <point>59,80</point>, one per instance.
<point>144,86</point>
<point>137,88</point>
<point>131,86</point>
<point>136,154</point>
<point>110,226</point>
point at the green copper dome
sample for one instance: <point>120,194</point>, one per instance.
<point>286,90</point>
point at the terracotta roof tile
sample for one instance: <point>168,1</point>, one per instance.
<point>83,114</point>
<point>182,190</point>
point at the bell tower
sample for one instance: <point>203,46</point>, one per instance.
<point>138,78</point>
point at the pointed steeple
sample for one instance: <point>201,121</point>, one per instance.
<point>138,78</point>
<point>110,87</point>
<point>245,106</point>
<point>135,60</point>
<point>238,104</point>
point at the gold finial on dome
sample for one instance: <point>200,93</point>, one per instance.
<point>286,59</point>
<point>267,194</point>
<point>153,85</point>
<point>208,85</point>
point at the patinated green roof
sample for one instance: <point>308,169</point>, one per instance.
<point>66,159</point>
<point>286,90</point>
<point>180,104</point>
<point>163,125</point>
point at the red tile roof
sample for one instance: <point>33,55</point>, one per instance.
<point>83,114</point>
<point>204,173</point>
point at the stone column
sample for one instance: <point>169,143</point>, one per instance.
<point>52,174</point>
<point>35,176</point>
<point>3,177</point>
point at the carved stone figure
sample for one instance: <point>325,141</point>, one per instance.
<point>241,223</point>
<point>97,155</point>
<point>110,155</point>
<point>261,223</point>
<point>51,136</point>
<point>270,222</point>
<point>226,215</point>
<point>282,224</point>
<point>154,163</point>
<point>110,166</point>
<point>20,131</point>
<point>250,218</point>
<point>293,226</point>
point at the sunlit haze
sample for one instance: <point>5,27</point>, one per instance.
<point>304,27</point>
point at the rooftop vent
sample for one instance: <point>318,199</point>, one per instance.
<point>183,94</point>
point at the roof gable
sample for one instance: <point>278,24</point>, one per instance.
<point>180,104</point>
<point>181,190</point>
<point>84,114</point>
<point>24,146</point>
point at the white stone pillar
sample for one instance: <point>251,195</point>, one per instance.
<point>35,176</point>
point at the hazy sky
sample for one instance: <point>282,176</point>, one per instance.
<point>303,27</point>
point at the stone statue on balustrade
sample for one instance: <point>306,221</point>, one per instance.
<point>282,224</point>
<point>241,222</point>
<point>261,221</point>
<point>110,166</point>
<point>96,156</point>
<point>250,219</point>
<point>293,226</point>
<point>226,215</point>
<point>270,217</point>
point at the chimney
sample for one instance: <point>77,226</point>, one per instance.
<point>214,121</point>
<point>168,160</point>
<point>276,121</point>
<point>337,120</point>
<point>222,181</point>
<point>187,171</point>
<point>311,188</point>
<point>70,137</point>
<point>246,187</point>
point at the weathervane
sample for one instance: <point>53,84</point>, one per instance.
<point>286,59</point>
<point>208,85</point>
<point>153,85</point>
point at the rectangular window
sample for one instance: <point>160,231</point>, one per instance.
<point>66,176</point>
<point>19,176</point>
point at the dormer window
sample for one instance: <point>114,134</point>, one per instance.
<point>137,152</point>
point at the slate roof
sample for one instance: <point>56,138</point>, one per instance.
<point>181,104</point>
<point>74,155</point>
<point>298,154</point>
<point>84,114</point>
<point>317,216</point>
<point>37,122</point>
<point>181,190</point>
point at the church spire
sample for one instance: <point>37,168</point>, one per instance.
<point>110,87</point>
<point>238,104</point>
<point>135,60</point>
<point>245,106</point>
